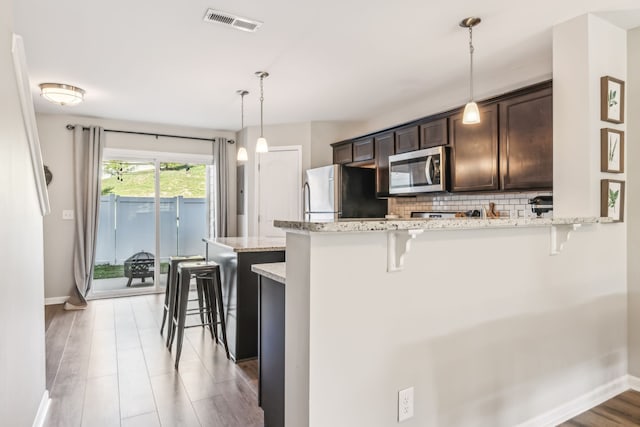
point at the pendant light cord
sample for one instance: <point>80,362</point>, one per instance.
<point>471,49</point>
<point>242,110</point>
<point>261,102</point>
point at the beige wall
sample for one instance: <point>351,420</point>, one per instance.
<point>22,353</point>
<point>57,146</point>
<point>632,147</point>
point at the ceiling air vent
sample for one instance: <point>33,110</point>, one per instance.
<point>237,22</point>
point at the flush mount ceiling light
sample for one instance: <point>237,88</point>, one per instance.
<point>242,152</point>
<point>471,114</point>
<point>261,144</point>
<point>62,94</point>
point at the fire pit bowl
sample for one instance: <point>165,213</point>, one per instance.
<point>139,266</point>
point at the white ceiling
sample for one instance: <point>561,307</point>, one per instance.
<point>157,61</point>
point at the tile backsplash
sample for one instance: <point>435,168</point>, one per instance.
<point>509,205</point>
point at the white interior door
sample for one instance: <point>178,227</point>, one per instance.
<point>279,188</point>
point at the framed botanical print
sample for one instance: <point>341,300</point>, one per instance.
<point>611,100</point>
<point>611,150</point>
<point>612,199</point>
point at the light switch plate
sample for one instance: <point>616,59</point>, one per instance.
<point>405,404</point>
<point>67,214</point>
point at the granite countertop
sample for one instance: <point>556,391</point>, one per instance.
<point>364,225</point>
<point>250,243</point>
<point>275,270</point>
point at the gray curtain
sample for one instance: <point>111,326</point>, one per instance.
<point>87,160</point>
<point>222,195</point>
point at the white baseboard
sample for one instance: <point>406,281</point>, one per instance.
<point>634,383</point>
<point>42,410</point>
<point>55,300</point>
<point>580,404</point>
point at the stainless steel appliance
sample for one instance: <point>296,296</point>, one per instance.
<point>337,191</point>
<point>420,171</point>
<point>541,205</point>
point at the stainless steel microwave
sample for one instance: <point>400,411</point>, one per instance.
<point>421,171</point>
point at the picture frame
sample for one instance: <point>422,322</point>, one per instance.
<point>29,121</point>
<point>612,199</point>
<point>611,99</point>
<point>611,150</point>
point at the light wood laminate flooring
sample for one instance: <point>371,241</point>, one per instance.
<point>108,366</point>
<point>622,410</point>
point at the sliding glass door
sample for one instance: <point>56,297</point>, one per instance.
<point>149,210</point>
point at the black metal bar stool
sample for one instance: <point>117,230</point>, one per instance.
<point>208,273</point>
<point>170,293</point>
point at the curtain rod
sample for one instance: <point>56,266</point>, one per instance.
<point>230,141</point>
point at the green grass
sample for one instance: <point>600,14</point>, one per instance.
<point>109,271</point>
<point>173,182</point>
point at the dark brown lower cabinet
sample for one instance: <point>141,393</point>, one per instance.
<point>474,151</point>
<point>271,351</point>
<point>526,141</point>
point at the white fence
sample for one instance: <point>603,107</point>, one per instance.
<point>127,226</point>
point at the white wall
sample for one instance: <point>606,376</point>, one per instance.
<point>632,147</point>
<point>22,353</point>
<point>585,49</point>
<point>57,151</point>
<point>488,327</point>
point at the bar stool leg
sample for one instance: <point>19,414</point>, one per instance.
<point>214,309</point>
<point>185,278</point>
<point>173,302</point>
<point>220,306</point>
<point>204,285</point>
<point>199,288</point>
<point>166,301</point>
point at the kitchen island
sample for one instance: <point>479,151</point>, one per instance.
<point>235,255</point>
<point>491,322</point>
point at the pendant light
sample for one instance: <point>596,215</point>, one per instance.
<point>261,144</point>
<point>242,152</point>
<point>471,114</point>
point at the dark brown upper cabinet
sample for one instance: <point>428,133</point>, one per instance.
<point>434,134</point>
<point>342,153</point>
<point>407,139</point>
<point>385,147</point>
<point>363,150</point>
<point>474,152</point>
<point>526,141</point>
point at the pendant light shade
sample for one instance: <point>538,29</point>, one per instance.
<point>262,146</point>
<point>242,155</point>
<point>62,94</point>
<point>471,114</point>
<point>261,143</point>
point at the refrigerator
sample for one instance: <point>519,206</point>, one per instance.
<point>337,191</point>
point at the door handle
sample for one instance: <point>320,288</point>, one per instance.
<point>427,170</point>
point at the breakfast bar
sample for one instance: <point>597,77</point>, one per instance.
<point>464,319</point>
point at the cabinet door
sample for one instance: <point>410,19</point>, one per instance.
<point>363,150</point>
<point>526,141</point>
<point>342,154</point>
<point>407,139</point>
<point>474,153</point>
<point>434,133</point>
<point>385,147</point>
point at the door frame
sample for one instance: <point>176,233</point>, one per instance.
<point>155,157</point>
<point>258,189</point>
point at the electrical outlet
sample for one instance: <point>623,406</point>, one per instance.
<point>67,214</point>
<point>405,404</point>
